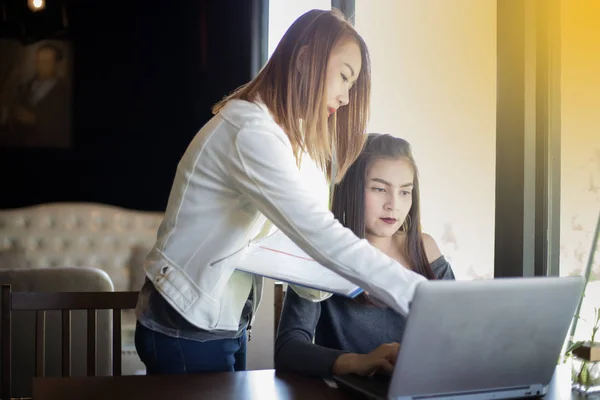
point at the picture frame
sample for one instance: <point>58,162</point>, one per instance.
<point>35,93</point>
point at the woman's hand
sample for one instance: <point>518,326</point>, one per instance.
<point>382,359</point>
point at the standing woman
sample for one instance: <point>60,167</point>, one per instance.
<point>242,168</point>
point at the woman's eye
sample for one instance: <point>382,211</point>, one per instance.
<point>344,78</point>
<point>405,193</point>
<point>380,190</point>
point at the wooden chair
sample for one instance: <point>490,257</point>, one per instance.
<point>278,297</point>
<point>40,302</point>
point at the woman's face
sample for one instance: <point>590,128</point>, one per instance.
<point>343,68</point>
<point>388,196</point>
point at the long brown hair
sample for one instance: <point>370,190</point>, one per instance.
<point>296,96</point>
<point>348,204</point>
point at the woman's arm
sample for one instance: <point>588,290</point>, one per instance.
<point>294,348</point>
<point>262,167</point>
<point>296,352</point>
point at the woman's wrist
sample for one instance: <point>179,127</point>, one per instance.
<point>346,364</point>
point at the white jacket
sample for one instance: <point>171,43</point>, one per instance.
<point>238,171</point>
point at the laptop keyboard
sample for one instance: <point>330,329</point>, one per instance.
<point>375,387</point>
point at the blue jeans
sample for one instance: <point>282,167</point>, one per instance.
<point>164,354</point>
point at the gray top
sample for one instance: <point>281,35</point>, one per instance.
<point>340,325</point>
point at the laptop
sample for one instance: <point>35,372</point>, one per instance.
<point>482,339</point>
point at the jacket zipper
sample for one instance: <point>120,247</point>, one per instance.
<point>254,241</point>
<point>251,315</point>
<point>228,256</point>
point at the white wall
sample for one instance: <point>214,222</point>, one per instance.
<point>580,125</point>
<point>434,84</point>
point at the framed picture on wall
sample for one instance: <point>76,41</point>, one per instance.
<point>35,94</point>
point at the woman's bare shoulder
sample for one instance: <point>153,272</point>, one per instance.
<point>432,250</point>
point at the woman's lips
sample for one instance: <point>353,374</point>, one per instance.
<point>331,110</point>
<point>390,221</point>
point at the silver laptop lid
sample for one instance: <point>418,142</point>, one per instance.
<point>466,337</point>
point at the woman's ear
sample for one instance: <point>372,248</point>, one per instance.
<point>301,60</point>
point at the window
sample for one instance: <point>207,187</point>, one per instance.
<point>282,13</point>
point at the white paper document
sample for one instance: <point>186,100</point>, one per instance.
<point>278,258</point>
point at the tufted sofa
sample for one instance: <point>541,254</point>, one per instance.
<point>110,238</point>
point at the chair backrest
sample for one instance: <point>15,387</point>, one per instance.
<point>40,302</point>
<point>57,279</point>
<point>278,303</point>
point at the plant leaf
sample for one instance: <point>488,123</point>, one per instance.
<point>574,346</point>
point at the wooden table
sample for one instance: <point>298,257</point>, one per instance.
<point>264,384</point>
<point>261,385</point>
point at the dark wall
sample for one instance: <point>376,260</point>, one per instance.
<point>145,77</point>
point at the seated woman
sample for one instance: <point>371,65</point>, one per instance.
<point>379,201</point>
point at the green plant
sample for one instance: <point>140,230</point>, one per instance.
<point>586,374</point>
<point>596,326</point>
